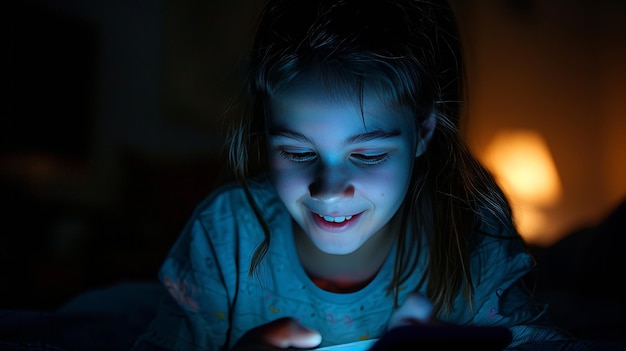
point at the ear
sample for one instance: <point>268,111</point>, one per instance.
<point>425,133</point>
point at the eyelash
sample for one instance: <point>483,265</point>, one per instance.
<point>307,157</point>
<point>371,160</point>
<point>298,157</point>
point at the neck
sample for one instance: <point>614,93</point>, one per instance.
<point>345,273</point>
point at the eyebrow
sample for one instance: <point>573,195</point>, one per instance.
<point>358,138</point>
<point>373,135</point>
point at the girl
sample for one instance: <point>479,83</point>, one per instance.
<point>368,211</point>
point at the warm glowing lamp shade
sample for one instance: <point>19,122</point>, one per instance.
<point>523,166</point>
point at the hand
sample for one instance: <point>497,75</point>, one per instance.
<point>416,309</point>
<point>279,334</point>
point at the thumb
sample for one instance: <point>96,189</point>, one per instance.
<point>288,332</point>
<point>416,309</point>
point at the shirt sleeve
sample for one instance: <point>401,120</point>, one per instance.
<point>501,297</point>
<point>199,273</point>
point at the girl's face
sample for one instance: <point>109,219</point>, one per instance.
<point>342,169</point>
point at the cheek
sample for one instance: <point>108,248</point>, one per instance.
<point>387,187</point>
<point>288,179</point>
<point>390,185</point>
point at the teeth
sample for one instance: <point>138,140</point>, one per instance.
<point>335,219</point>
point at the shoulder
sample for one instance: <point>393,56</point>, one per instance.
<point>222,232</point>
<point>497,244</point>
<point>492,229</point>
<point>226,218</point>
<point>233,201</point>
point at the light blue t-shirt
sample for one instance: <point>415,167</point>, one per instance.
<point>213,300</point>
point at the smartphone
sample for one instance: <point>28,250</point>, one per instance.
<point>444,337</point>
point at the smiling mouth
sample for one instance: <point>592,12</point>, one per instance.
<point>339,219</point>
<point>335,224</point>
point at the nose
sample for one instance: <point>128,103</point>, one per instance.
<point>331,184</point>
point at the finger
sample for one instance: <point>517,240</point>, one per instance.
<point>287,332</point>
<point>416,309</point>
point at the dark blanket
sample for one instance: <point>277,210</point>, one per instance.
<point>106,319</point>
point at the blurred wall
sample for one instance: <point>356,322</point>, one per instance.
<point>557,67</point>
<point>112,134</point>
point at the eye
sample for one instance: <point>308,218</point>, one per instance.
<point>370,160</point>
<point>298,157</point>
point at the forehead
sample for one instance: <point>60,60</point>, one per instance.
<point>316,100</point>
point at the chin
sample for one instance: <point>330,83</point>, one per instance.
<point>333,248</point>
